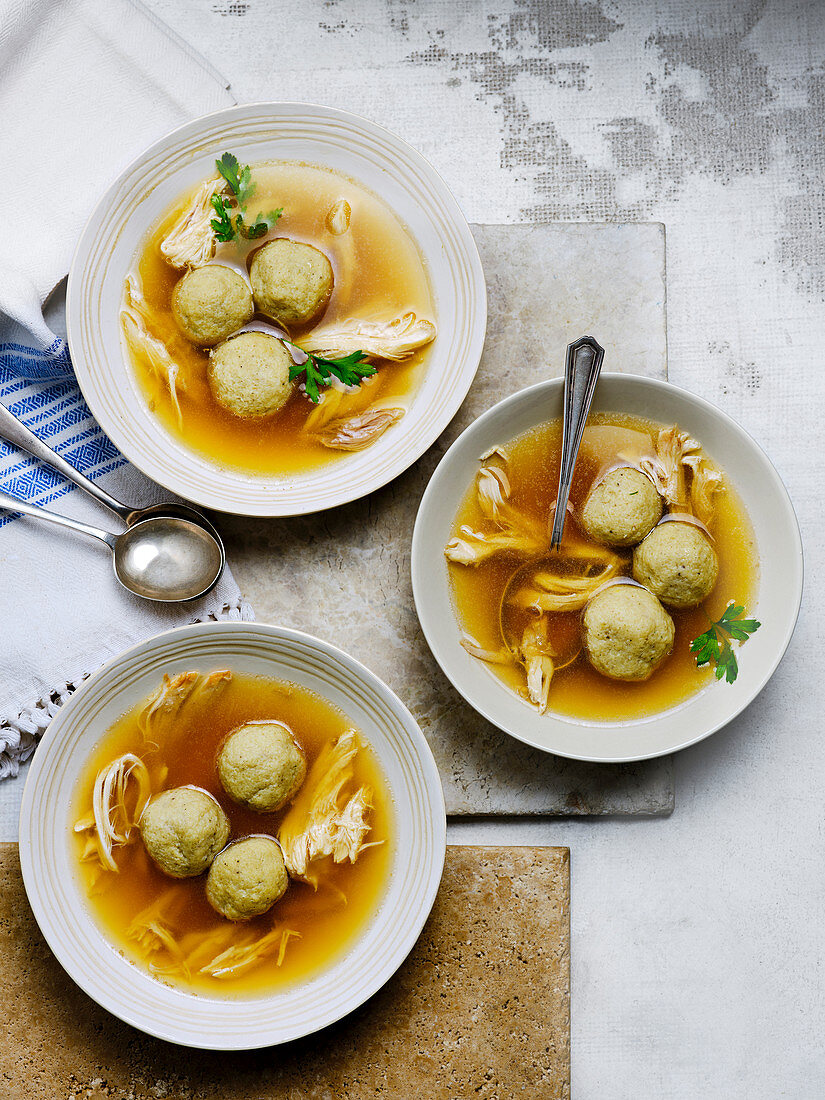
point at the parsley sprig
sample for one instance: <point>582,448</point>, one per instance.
<point>350,369</point>
<point>239,179</point>
<point>714,646</point>
<point>230,222</point>
<point>224,230</point>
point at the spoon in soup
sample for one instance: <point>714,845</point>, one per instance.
<point>12,431</point>
<point>162,557</point>
<point>581,373</point>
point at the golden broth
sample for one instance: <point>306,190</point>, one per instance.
<point>327,924</point>
<point>579,690</point>
<point>379,275</point>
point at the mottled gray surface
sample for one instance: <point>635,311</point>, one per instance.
<point>345,574</point>
<point>698,939</point>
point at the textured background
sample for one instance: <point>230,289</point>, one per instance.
<point>697,940</point>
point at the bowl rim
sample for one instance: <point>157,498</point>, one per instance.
<point>464,246</point>
<point>436,638</point>
<point>426,774</point>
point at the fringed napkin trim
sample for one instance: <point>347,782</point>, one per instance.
<point>18,738</point>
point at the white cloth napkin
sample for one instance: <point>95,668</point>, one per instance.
<point>86,86</point>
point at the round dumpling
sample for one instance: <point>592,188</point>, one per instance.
<point>249,374</point>
<point>210,303</point>
<point>621,508</point>
<point>247,878</point>
<point>183,830</point>
<point>261,766</point>
<point>291,281</point>
<point>627,632</point>
<point>678,563</point>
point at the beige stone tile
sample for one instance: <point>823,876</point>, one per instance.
<point>344,575</point>
<point>481,1007</point>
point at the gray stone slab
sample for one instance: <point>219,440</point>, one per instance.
<point>344,575</point>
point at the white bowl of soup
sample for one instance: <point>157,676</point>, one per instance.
<point>373,259</point>
<point>131,894</point>
<point>545,644</point>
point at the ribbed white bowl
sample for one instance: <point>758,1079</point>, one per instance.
<point>287,131</point>
<point>780,565</point>
<point>60,906</point>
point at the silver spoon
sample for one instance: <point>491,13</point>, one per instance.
<point>12,431</point>
<point>165,558</point>
<point>581,372</point>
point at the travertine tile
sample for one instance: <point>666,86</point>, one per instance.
<point>480,1008</point>
<point>344,575</point>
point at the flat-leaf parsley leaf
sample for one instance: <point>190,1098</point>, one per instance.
<point>231,222</point>
<point>349,369</point>
<point>714,646</point>
<point>222,225</point>
<point>262,224</point>
<point>239,179</point>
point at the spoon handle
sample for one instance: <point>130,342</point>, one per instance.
<point>15,504</point>
<point>581,372</point>
<point>12,431</point>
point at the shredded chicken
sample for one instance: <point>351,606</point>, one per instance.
<point>339,223</point>
<point>534,653</point>
<point>95,874</point>
<point>501,656</point>
<point>338,218</point>
<point>121,791</point>
<point>337,403</point>
<point>495,452</point>
<point>210,686</point>
<point>134,321</point>
<point>232,949</point>
<point>512,533</point>
<point>473,547</point>
<point>669,469</point>
<point>551,591</point>
<point>191,241</point>
<point>357,432</point>
<point>224,953</point>
<point>243,956</point>
<point>377,339</point>
<point>154,938</point>
<point>323,820</point>
<point>684,477</point>
<point>707,483</point>
<point>165,704</point>
<point>201,949</point>
<point>537,657</point>
<point>493,488</point>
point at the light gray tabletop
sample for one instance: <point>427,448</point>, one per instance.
<point>697,939</point>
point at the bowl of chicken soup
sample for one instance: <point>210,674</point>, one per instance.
<point>276,309</point>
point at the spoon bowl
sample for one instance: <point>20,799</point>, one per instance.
<point>172,510</point>
<point>162,557</point>
<point>167,558</point>
<point>164,554</point>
